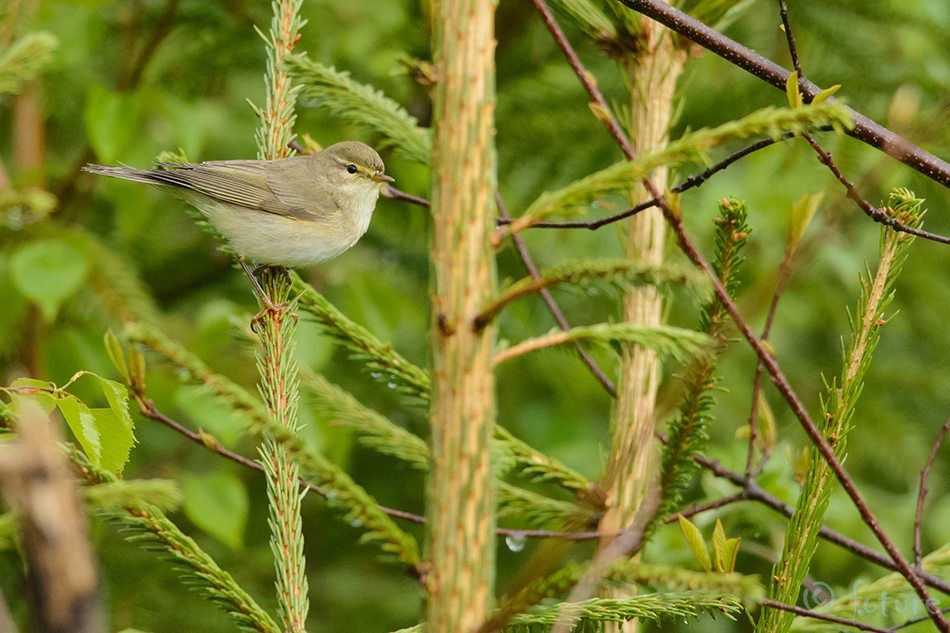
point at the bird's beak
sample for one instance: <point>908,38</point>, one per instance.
<point>382,178</point>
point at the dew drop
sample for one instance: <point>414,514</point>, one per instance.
<point>516,541</point>
<point>392,385</point>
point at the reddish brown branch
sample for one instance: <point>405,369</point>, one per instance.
<point>864,130</point>
<point>923,490</point>
<point>811,429</point>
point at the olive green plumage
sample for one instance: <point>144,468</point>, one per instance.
<point>289,212</point>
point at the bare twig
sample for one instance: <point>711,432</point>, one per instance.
<point>395,194</point>
<point>552,305</point>
<point>783,11</point>
<point>742,495</point>
<point>754,492</point>
<point>808,613</point>
<point>811,429</point>
<point>585,78</point>
<point>923,490</point>
<point>864,130</point>
<point>690,182</point>
<point>878,215</point>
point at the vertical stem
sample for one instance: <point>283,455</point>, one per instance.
<point>461,510</point>
<point>279,383</point>
<point>652,75</point>
<point>633,458</point>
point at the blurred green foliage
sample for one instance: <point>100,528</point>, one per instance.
<point>134,78</point>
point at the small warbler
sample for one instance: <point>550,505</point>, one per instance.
<point>289,212</point>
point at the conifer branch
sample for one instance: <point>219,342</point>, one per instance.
<point>379,357</point>
<point>341,96</point>
<point>653,607</point>
<point>632,272</point>
<point>339,489</point>
<point>375,430</point>
<point>537,466</point>
<point>616,178</point>
<point>687,433</point>
<point>838,405</point>
<point>535,508</point>
<point>24,59</point>
<point>276,365</point>
<point>678,343</point>
<point>150,526</point>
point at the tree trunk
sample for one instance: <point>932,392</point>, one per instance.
<point>633,458</point>
<point>461,508</point>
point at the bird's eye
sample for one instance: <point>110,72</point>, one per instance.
<point>351,169</point>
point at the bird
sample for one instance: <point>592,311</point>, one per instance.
<point>291,212</point>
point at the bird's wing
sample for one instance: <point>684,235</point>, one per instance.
<point>297,185</point>
<point>240,182</point>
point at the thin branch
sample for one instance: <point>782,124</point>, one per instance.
<point>751,491</point>
<point>784,273</point>
<point>754,492</point>
<point>553,308</point>
<point>742,495</point>
<point>913,621</point>
<point>864,130</point>
<point>395,194</point>
<point>808,613</point>
<point>530,345</point>
<point>793,51</point>
<point>586,79</point>
<point>923,490</point>
<point>149,410</point>
<point>811,429</point>
<point>878,215</point>
<point>567,536</point>
<point>689,183</point>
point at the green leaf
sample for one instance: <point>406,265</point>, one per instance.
<point>48,272</point>
<point>729,553</point>
<point>694,539</point>
<point>792,91</point>
<point>115,352</point>
<point>799,218</point>
<point>218,504</point>
<point>118,397</point>
<point>825,94</point>
<point>83,425</point>
<point>9,531</point>
<point>102,435</point>
<point>111,120</point>
<point>718,546</point>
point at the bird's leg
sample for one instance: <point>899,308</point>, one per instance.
<point>277,309</point>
